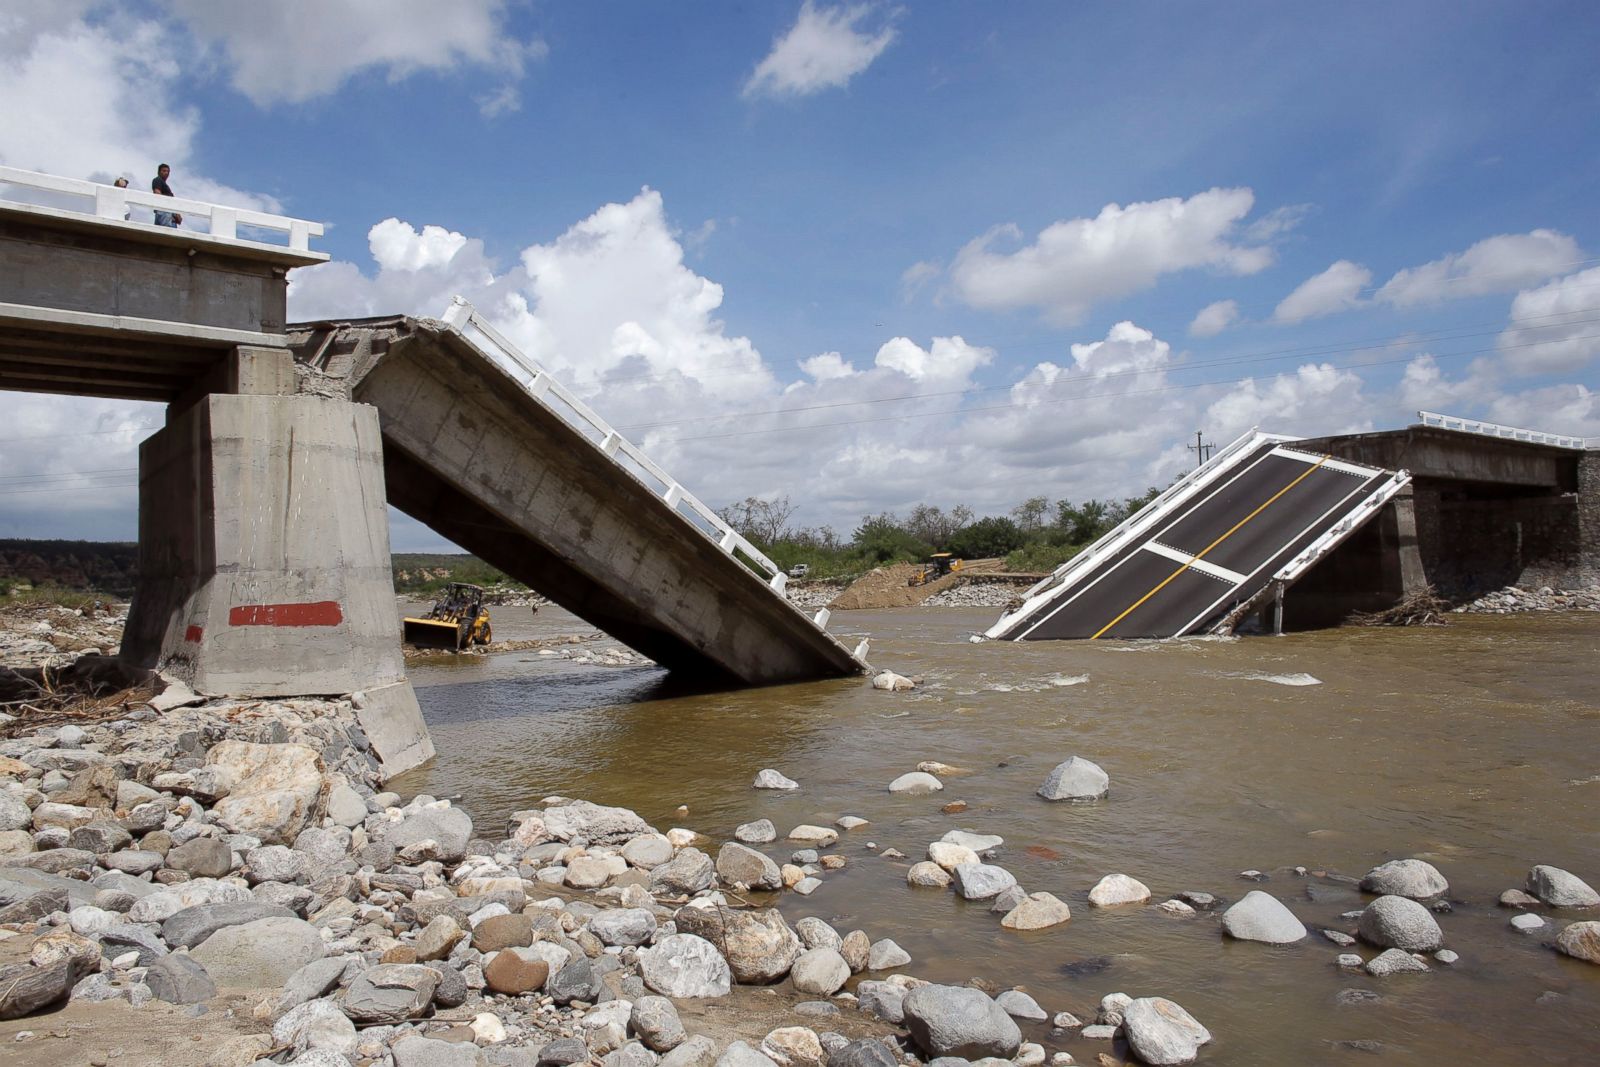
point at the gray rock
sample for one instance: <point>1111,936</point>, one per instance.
<point>390,993</point>
<point>633,1054</point>
<point>449,828</point>
<point>821,971</point>
<point>737,863</point>
<point>981,881</point>
<point>758,944</point>
<point>759,832</point>
<point>134,861</point>
<point>656,1022</point>
<point>260,953</point>
<point>203,857</point>
<point>866,1052</point>
<point>1262,917</point>
<point>1398,922</point>
<point>624,926</point>
<point>346,807</point>
<point>294,898</point>
<point>595,824</point>
<point>327,847</point>
<point>14,814</point>
<point>1161,1033</point>
<point>771,779</point>
<point>1007,899</point>
<point>685,874</point>
<point>563,1052</point>
<point>882,999</point>
<point>885,955</point>
<point>1561,889</point>
<point>313,980</point>
<point>1395,961</point>
<point>1019,1005</point>
<point>959,1021</point>
<point>697,1051</point>
<point>683,965</point>
<point>414,1051</point>
<point>1413,878</point>
<point>816,933</point>
<point>99,838</point>
<point>575,981</point>
<point>315,1025</point>
<point>276,863</point>
<point>1077,779</point>
<point>25,989</point>
<point>452,991</point>
<point>648,851</point>
<point>145,939</point>
<point>1527,923</point>
<point>192,926</point>
<point>739,1054</point>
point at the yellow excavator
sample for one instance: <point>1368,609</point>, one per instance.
<point>457,622</point>
<point>939,564</point>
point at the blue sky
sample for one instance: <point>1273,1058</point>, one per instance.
<point>870,255</point>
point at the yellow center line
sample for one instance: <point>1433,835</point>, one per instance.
<point>1201,554</point>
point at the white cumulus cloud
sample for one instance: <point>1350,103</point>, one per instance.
<point>1552,327</point>
<point>824,49</point>
<point>1336,289</point>
<point>1499,264</point>
<point>1077,263</point>
<point>290,51</point>
<point>1214,318</point>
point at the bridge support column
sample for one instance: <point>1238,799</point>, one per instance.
<point>1588,563</point>
<point>1413,576</point>
<point>264,560</point>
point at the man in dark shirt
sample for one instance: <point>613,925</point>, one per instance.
<point>159,185</point>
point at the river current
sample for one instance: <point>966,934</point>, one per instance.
<point>1475,746</point>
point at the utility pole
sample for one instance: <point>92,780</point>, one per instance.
<point>1201,450</point>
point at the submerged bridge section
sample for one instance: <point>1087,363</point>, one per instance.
<point>484,446</point>
<point>1246,525</point>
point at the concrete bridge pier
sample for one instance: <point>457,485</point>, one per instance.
<point>264,551</point>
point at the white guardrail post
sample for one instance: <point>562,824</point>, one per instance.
<point>540,385</point>
<point>1505,433</point>
<point>114,204</point>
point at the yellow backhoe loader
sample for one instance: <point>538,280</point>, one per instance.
<point>457,622</point>
<point>939,564</point>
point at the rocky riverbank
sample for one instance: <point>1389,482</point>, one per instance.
<point>1515,599</point>
<point>240,856</point>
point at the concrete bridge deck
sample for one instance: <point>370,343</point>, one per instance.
<point>483,446</point>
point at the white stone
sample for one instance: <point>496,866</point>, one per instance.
<point>916,783</point>
<point>1115,889</point>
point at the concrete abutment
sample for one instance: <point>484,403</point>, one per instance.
<point>264,558</point>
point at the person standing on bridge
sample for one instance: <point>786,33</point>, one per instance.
<point>159,185</point>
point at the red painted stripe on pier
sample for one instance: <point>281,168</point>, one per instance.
<point>193,635</point>
<point>318,613</point>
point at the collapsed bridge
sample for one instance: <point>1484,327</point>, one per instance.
<point>264,565</point>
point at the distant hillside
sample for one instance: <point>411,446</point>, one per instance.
<point>427,572</point>
<point>113,568</point>
<point>80,566</point>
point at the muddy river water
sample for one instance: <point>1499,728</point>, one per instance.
<point>1475,746</point>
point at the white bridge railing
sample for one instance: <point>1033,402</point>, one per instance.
<point>1504,433</point>
<point>561,401</point>
<point>110,202</point>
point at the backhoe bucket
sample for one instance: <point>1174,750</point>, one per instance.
<point>433,633</point>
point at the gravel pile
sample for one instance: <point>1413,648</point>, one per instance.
<point>1514,600</point>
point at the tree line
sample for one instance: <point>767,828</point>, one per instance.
<point>1037,535</point>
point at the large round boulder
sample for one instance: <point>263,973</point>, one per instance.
<point>1413,878</point>
<point>959,1021</point>
<point>1398,922</point>
<point>758,944</point>
<point>1262,917</point>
